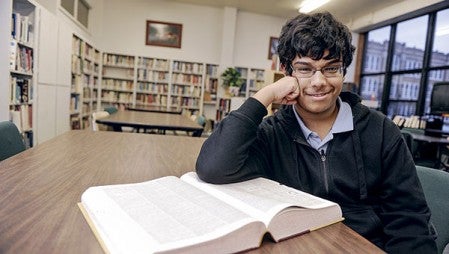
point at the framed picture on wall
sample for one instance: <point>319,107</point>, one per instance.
<point>272,50</point>
<point>163,34</point>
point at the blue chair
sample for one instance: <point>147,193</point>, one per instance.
<point>111,110</point>
<point>435,184</point>
<point>11,142</point>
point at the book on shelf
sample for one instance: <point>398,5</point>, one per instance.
<point>22,117</point>
<point>13,55</point>
<point>185,214</point>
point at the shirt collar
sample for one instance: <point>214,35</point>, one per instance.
<point>343,122</point>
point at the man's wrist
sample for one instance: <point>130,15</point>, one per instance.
<point>264,96</point>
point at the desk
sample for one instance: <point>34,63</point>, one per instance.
<point>40,189</point>
<point>151,120</point>
<point>430,139</point>
<point>440,141</point>
<point>155,109</point>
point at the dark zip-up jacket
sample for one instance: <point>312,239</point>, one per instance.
<point>369,171</point>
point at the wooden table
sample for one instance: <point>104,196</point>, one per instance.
<point>151,120</point>
<point>155,109</point>
<point>40,189</point>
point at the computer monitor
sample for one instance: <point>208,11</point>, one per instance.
<point>439,100</point>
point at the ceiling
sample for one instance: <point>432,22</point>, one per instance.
<point>344,10</point>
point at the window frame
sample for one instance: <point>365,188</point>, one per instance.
<point>388,72</point>
<point>75,16</point>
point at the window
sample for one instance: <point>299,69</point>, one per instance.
<point>78,9</point>
<point>405,69</point>
<point>371,90</point>
<point>69,5</point>
<point>376,50</point>
<point>410,43</point>
<point>83,12</point>
<point>440,49</point>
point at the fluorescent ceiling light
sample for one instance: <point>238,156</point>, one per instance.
<point>310,5</point>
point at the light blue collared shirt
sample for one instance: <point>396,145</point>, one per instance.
<point>342,123</point>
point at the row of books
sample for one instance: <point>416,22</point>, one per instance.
<point>21,90</point>
<point>257,74</point>
<point>187,79</point>
<point>80,81</point>
<point>79,65</point>
<point>196,68</point>
<point>211,85</point>
<point>74,103</point>
<point>153,63</point>
<point>224,107</point>
<point>150,99</point>
<point>75,123</point>
<point>115,84</point>
<point>413,121</point>
<point>22,117</point>
<point>89,94</point>
<point>152,88</point>
<point>118,60</point>
<point>152,75</point>
<point>21,28</point>
<point>212,70</point>
<point>21,57</point>
<point>185,102</point>
<point>116,97</point>
<point>185,91</point>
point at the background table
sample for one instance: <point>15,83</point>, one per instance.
<point>151,120</point>
<point>155,109</point>
<point>40,189</point>
<point>440,142</point>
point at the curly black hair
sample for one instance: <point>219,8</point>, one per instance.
<point>310,35</point>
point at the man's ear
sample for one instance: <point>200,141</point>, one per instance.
<point>284,70</point>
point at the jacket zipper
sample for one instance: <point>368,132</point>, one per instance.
<point>323,162</point>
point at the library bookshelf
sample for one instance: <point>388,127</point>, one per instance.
<point>153,78</point>
<point>254,80</point>
<point>84,85</point>
<point>125,80</point>
<point>22,81</point>
<point>186,85</point>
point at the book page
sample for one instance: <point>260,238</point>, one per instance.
<point>260,197</point>
<point>158,215</point>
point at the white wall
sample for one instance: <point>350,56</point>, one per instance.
<point>393,11</point>
<point>252,39</point>
<point>202,38</point>
<point>124,28</point>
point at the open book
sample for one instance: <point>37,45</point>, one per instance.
<point>186,215</point>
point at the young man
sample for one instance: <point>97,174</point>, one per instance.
<point>324,141</point>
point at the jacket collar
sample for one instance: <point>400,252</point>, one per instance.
<point>287,116</point>
<point>359,111</point>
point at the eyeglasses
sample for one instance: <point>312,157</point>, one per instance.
<point>307,72</point>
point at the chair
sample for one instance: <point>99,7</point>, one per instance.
<point>11,142</point>
<point>420,151</point>
<point>435,184</point>
<point>111,110</point>
<point>99,115</point>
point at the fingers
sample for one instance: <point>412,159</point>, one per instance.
<point>290,98</point>
<point>283,91</point>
